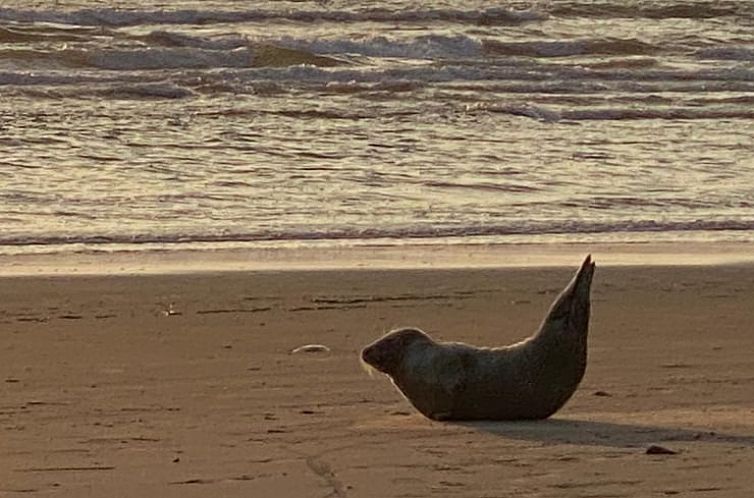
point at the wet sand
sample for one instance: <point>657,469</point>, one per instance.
<point>184,385</point>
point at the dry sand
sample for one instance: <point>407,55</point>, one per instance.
<point>183,385</point>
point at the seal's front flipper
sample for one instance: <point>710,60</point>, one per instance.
<point>441,416</point>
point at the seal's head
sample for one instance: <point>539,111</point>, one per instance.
<point>386,353</point>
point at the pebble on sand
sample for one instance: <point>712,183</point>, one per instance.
<point>655,449</point>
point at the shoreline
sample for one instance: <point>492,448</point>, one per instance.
<point>314,256</point>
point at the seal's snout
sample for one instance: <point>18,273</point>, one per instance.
<point>371,356</point>
<point>371,359</point>
<point>366,355</point>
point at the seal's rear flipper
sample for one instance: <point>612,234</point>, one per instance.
<point>582,282</point>
<point>571,308</point>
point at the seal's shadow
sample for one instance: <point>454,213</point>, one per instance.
<point>586,432</point>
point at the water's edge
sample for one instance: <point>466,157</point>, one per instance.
<point>314,257</point>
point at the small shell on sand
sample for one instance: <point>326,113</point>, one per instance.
<point>311,348</point>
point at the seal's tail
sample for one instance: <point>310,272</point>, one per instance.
<point>571,309</point>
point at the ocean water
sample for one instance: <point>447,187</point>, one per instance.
<point>129,124</point>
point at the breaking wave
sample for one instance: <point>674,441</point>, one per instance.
<point>679,9</point>
<point>370,233</point>
<point>115,17</point>
<point>545,114</point>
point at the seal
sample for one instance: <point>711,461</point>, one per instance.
<point>531,379</point>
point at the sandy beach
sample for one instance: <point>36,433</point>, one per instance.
<point>184,385</point>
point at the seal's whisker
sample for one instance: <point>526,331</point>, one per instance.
<point>369,369</point>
